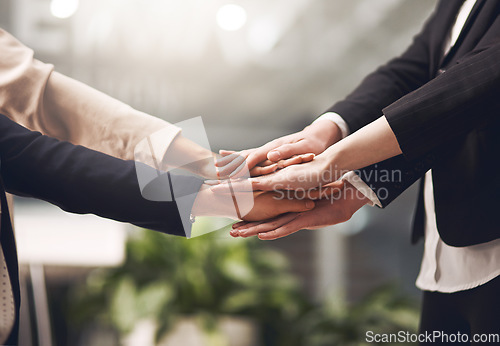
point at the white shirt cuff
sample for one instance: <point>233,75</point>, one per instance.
<point>337,119</point>
<point>362,187</point>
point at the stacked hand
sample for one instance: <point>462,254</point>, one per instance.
<point>284,151</point>
<point>336,206</point>
<point>291,166</point>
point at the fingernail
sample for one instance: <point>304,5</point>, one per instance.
<point>309,204</point>
<point>274,155</point>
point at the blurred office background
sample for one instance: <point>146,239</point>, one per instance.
<point>253,70</point>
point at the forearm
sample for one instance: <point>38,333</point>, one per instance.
<point>389,82</point>
<point>75,112</point>
<point>373,143</point>
<point>34,96</point>
<point>81,180</point>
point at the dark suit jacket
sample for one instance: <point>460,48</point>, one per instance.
<point>445,113</point>
<point>78,180</point>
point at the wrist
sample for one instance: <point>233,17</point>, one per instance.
<point>184,152</point>
<point>327,131</point>
<point>331,165</point>
<point>209,203</point>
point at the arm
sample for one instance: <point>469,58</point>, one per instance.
<point>35,96</point>
<point>417,124</point>
<point>391,81</point>
<point>364,105</point>
<point>442,109</point>
<point>80,180</point>
<point>426,119</point>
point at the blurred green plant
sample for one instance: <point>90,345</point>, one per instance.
<point>167,278</point>
<point>384,311</point>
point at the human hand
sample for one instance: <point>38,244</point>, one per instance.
<point>265,205</point>
<point>313,139</point>
<point>236,161</point>
<point>326,212</point>
<point>320,171</point>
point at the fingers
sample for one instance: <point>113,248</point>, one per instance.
<point>298,159</point>
<point>224,187</point>
<point>223,152</point>
<point>268,167</point>
<point>248,229</point>
<point>263,170</point>
<point>212,182</point>
<point>257,156</point>
<point>286,151</point>
<point>232,165</point>
<point>293,205</point>
<point>224,161</point>
<point>241,185</point>
<point>266,163</point>
<point>333,189</point>
<point>240,224</point>
<point>288,228</point>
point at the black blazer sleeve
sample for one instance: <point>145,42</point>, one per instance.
<point>81,180</point>
<point>390,178</point>
<point>451,105</point>
<point>389,82</point>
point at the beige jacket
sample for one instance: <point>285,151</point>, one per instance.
<point>37,97</point>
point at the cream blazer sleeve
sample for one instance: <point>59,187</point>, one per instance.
<point>35,96</point>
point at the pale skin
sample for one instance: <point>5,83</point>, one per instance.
<point>266,205</point>
<point>202,160</point>
<point>373,143</point>
<point>314,139</point>
<point>210,203</point>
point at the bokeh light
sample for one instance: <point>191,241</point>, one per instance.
<point>63,8</point>
<point>231,17</point>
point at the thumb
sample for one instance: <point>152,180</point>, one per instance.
<point>223,152</point>
<point>286,151</point>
